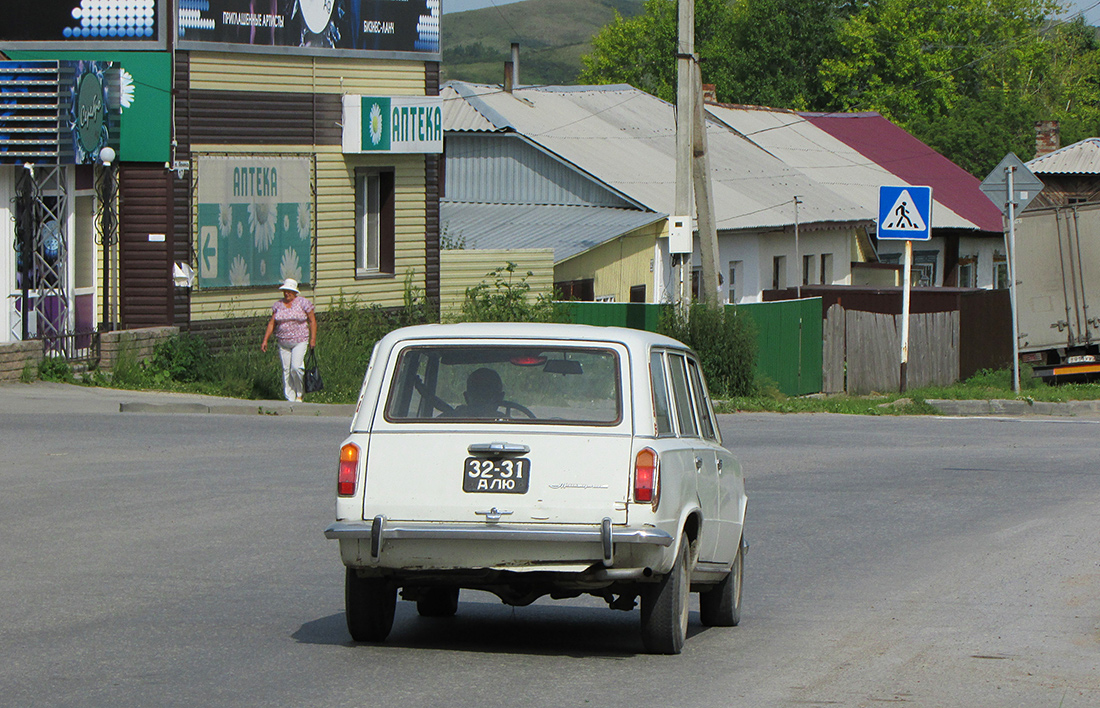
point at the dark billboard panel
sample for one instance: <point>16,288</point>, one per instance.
<point>357,25</point>
<point>65,21</point>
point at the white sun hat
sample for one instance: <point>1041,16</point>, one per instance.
<point>289,284</point>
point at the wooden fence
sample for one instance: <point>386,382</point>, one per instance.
<point>861,351</point>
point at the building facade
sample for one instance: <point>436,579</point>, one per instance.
<point>249,147</point>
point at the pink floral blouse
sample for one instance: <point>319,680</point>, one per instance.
<point>292,321</point>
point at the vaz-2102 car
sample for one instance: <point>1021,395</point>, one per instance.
<point>534,459</point>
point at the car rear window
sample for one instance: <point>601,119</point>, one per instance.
<point>516,384</point>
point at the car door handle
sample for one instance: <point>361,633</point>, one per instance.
<point>498,448</point>
<point>698,464</point>
<point>719,466</point>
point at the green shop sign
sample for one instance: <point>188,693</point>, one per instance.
<point>393,124</point>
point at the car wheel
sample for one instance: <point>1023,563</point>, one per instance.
<point>438,602</point>
<point>665,608</point>
<point>369,604</point>
<point>721,606</point>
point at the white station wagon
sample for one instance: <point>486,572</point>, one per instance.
<point>536,459</point>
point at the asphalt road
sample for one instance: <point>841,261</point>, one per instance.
<point>178,560</point>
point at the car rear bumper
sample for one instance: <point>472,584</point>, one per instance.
<point>380,530</point>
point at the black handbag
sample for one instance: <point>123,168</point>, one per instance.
<point>312,378</point>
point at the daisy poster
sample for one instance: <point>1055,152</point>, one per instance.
<point>255,220</point>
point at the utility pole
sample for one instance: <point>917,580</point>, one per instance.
<point>704,203</point>
<point>685,59</point>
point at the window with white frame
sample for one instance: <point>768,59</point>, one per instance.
<point>374,221</point>
<point>779,272</point>
<point>807,269</point>
<point>968,272</point>
<point>826,269</point>
<point>734,279</point>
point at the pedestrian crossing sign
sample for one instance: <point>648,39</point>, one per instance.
<point>905,213</point>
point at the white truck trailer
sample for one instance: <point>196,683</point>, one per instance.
<point>1057,278</point>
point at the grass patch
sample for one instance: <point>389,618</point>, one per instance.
<point>985,385</point>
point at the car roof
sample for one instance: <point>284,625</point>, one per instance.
<point>631,338</point>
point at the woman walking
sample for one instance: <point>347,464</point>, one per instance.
<point>295,326</point>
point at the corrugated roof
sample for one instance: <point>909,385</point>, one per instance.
<point>826,159</point>
<point>626,139</point>
<point>1082,158</point>
<point>903,155</point>
<point>569,230</point>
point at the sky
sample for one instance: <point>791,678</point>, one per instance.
<point>1091,8</point>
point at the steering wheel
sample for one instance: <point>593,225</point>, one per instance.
<point>438,403</point>
<point>510,406</point>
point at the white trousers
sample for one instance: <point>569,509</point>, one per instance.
<point>294,366</point>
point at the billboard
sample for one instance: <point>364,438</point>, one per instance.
<point>82,23</point>
<point>255,220</point>
<point>313,26</point>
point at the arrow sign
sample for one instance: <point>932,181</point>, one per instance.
<point>208,262</point>
<point>905,213</point>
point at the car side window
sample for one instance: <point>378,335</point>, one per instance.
<point>682,396</point>
<point>702,404</point>
<point>661,413</point>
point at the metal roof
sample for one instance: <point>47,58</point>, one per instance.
<point>569,230</point>
<point>1082,158</point>
<point>626,139</point>
<point>830,161</point>
<point>890,147</point>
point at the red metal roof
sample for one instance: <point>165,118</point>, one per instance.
<point>898,152</point>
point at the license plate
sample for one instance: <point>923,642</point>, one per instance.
<point>1081,359</point>
<point>507,475</point>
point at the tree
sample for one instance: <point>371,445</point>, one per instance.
<point>764,52</point>
<point>968,77</point>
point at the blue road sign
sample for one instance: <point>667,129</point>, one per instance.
<point>905,213</point>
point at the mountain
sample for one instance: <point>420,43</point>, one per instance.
<point>552,34</point>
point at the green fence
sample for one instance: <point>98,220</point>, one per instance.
<point>788,341</point>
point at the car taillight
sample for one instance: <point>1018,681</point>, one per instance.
<point>349,468</point>
<point>647,482</point>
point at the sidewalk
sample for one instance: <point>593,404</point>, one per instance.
<point>49,398</point>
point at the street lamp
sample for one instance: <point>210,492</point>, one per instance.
<point>108,227</point>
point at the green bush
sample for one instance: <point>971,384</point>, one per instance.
<point>183,357</point>
<point>724,339</point>
<point>506,300</point>
<point>55,368</point>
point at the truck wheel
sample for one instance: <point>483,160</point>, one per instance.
<point>665,608</point>
<point>721,606</point>
<point>369,604</point>
<point>438,602</point>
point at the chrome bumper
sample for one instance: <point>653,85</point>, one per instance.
<point>380,530</point>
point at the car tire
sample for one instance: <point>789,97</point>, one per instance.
<point>721,606</point>
<point>665,608</point>
<point>438,602</point>
<point>369,605</point>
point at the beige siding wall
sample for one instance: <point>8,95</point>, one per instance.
<point>248,72</point>
<point>334,251</point>
<point>617,265</point>
<point>334,179</point>
<point>461,269</point>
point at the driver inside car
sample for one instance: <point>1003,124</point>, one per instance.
<point>484,394</point>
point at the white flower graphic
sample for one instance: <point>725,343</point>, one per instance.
<point>261,222</point>
<point>238,272</point>
<point>290,268</point>
<point>305,223</point>
<point>126,97</point>
<point>225,219</point>
<point>375,124</point>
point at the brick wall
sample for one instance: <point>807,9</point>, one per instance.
<point>140,342</point>
<point>15,356</point>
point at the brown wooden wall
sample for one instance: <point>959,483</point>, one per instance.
<point>146,296</point>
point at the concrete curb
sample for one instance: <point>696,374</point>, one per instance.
<point>1015,407</point>
<point>257,408</point>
